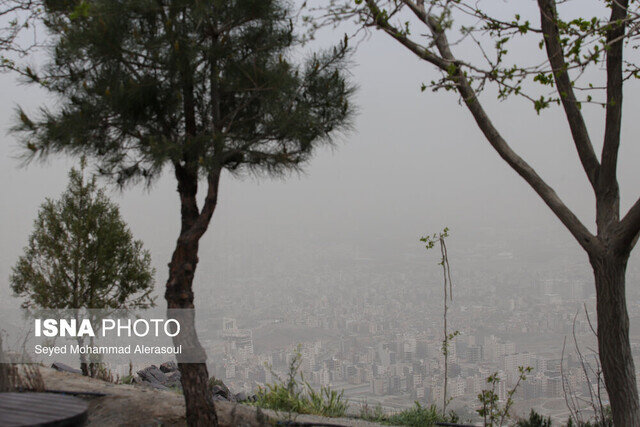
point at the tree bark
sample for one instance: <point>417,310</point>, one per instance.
<point>610,248</point>
<point>194,376</point>
<point>84,366</point>
<point>613,338</point>
<point>179,295</point>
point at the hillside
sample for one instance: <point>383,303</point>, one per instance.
<point>134,405</point>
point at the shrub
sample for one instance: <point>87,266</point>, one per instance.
<point>417,416</point>
<point>535,420</point>
<point>297,396</point>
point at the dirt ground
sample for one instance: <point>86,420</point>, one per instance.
<point>136,405</point>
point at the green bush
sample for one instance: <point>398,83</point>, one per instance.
<point>326,402</point>
<point>295,396</point>
<point>535,420</point>
<point>417,416</point>
<point>127,379</point>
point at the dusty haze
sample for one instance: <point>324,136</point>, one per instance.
<point>414,163</point>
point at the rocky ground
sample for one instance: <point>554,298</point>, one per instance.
<point>153,402</point>
<point>167,377</point>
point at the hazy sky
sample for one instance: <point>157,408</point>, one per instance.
<point>414,162</point>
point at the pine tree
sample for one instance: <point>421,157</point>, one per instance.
<point>81,254</point>
<point>197,86</point>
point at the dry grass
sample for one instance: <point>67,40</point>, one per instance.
<point>18,376</point>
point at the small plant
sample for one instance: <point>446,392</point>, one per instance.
<point>220,386</point>
<point>429,242</point>
<point>417,416</point>
<point>607,421</point>
<point>103,373</point>
<point>535,420</point>
<point>376,414</point>
<point>492,412</point>
<point>213,381</point>
<point>127,379</point>
<point>297,396</point>
<point>176,389</point>
<point>421,416</point>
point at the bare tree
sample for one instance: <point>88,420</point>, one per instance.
<point>577,48</point>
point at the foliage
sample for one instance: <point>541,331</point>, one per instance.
<point>491,411</point>
<point>583,40</point>
<point>81,254</point>
<point>201,86</point>
<point>421,416</point>
<point>430,240</point>
<point>599,421</point>
<point>213,382</point>
<point>571,59</point>
<point>375,414</point>
<point>127,379</point>
<point>535,420</point>
<point>297,396</point>
<point>417,416</point>
<point>176,389</point>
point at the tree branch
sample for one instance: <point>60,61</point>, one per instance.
<point>188,189</point>
<point>555,53</point>
<point>630,228</point>
<point>444,61</point>
<point>421,52</point>
<point>200,225</point>
<point>615,39</point>
<point>548,195</point>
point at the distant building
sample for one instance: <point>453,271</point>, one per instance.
<point>238,342</point>
<point>512,362</point>
<point>474,354</point>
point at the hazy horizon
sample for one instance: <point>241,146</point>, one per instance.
<point>414,163</point>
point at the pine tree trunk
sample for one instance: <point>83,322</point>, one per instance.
<point>179,295</point>
<point>93,367</point>
<point>84,366</point>
<point>200,408</point>
<point>194,376</point>
<point>613,339</point>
